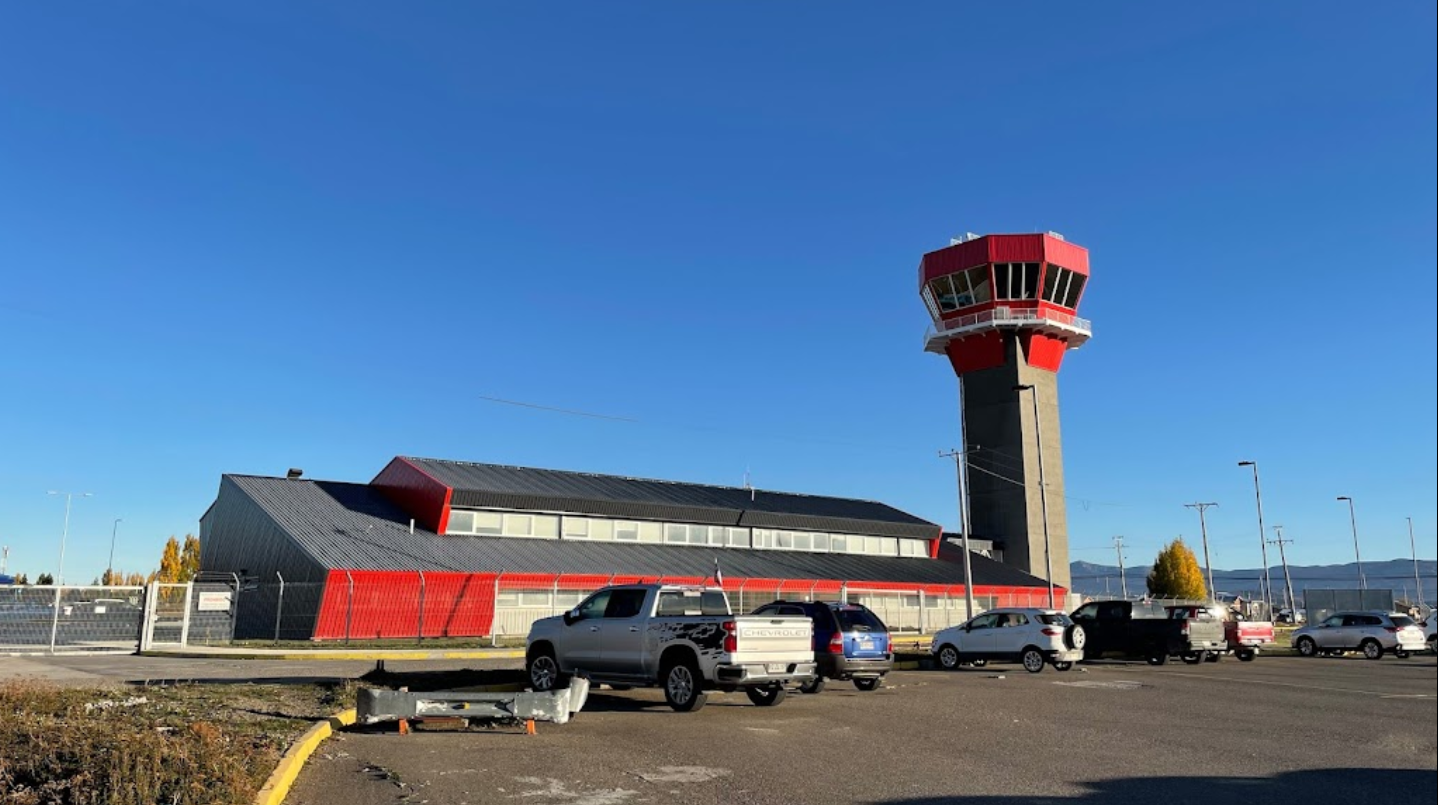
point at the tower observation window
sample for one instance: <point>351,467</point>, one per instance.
<point>1016,280</point>
<point>964,289</point>
<point>1052,275</point>
<point>1075,290</point>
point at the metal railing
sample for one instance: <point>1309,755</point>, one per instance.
<point>1010,316</point>
<point>64,619</point>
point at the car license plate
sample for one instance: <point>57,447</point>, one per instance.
<point>776,668</point>
<point>866,645</point>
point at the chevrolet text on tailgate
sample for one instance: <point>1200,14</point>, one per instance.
<point>684,639</point>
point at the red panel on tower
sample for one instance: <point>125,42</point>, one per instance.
<point>982,351</point>
<point>1044,352</point>
<point>1016,248</point>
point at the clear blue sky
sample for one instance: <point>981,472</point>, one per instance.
<point>247,237</point>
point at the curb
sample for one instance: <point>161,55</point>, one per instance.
<point>486,654</point>
<point>278,785</point>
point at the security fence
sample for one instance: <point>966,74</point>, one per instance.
<point>54,619</point>
<point>1322,603</point>
<point>195,613</point>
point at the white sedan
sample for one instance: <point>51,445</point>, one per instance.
<point>1033,637</point>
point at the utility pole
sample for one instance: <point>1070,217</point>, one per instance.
<point>1287,579</point>
<point>1122,579</point>
<point>1417,579</point>
<point>1203,527</point>
<point>5,558</point>
<point>961,466</point>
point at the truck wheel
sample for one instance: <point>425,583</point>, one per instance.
<point>868,683</point>
<point>1247,655</point>
<point>1063,665</point>
<point>1371,649</point>
<point>544,672</point>
<point>814,686</point>
<point>948,657</point>
<point>766,697</point>
<point>1033,660</point>
<point>1157,657</point>
<point>681,686</point>
<point>1307,647</point>
<point>1194,657</point>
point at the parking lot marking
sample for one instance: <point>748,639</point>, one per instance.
<point>1114,685</point>
<point>1323,688</point>
<point>681,774</point>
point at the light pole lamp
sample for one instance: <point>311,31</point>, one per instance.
<point>110,566</point>
<point>1353,521</point>
<point>1043,489</point>
<point>1262,540</point>
<point>65,532</point>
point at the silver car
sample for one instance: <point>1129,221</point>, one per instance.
<point>1373,633</point>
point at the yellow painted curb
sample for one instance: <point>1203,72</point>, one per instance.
<point>487,654</point>
<point>278,786</point>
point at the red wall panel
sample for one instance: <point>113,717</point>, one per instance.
<point>420,494</point>
<point>1044,352</point>
<point>982,351</point>
<point>1016,248</point>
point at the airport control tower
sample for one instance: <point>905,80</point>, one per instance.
<point>1003,308</point>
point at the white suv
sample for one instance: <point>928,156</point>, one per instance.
<point>1373,633</point>
<point>1034,637</point>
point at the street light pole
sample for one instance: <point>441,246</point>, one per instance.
<point>1417,579</point>
<point>961,460</point>
<point>65,533</point>
<point>110,566</point>
<point>1353,521</point>
<point>1203,529</point>
<point>1262,541</point>
<point>1043,489</point>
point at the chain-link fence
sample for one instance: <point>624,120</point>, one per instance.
<point>1319,604</point>
<point>70,619</point>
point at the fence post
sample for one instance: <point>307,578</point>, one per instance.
<point>55,620</point>
<point>185,622</point>
<point>554,597</point>
<point>420,638</point>
<point>812,588</point>
<point>350,606</point>
<point>147,618</point>
<point>844,592</point>
<point>235,607</point>
<point>279,606</point>
<point>923,621</point>
<point>494,612</point>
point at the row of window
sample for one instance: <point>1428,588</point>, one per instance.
<point>1003,281</point>
<point>596,529</point>
<point>559,600</point>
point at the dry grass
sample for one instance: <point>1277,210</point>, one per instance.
<point>179,745</point>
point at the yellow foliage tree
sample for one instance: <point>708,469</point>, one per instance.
<point>135,580</point>
<point>190,558</point>
<point>170,564</point>
<point>1176,574</point>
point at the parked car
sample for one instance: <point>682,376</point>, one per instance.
<point>1372,633</point>
<point>1032,637</point>
<point>850,642</point>
<point>1428,630</point>
<point>1131,629</point>
<point>1245,638</point>
<point>684,639</point>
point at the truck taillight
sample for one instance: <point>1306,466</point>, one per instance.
<point>1184,630</point>
<point>731,637</point>
<point>1391,629</point>
<point>1051,632</point>
<point>836,644</point>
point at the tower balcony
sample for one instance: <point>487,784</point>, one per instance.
<point>1056,323</point>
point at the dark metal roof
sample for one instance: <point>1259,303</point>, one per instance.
<point>498,486</point>
<point>355,527</point>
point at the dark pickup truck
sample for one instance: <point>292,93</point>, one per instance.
<point>1149,631</point>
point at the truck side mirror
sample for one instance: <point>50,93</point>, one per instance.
<point>571,617</point>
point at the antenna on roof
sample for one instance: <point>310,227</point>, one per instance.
<point>748,485</point>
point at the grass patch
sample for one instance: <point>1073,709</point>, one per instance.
<point>177,745</point>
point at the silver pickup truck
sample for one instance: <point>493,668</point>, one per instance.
<point>684,639</point>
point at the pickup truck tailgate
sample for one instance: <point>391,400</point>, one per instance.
<point>774,639</point>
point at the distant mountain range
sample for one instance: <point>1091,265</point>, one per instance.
<point>1394,574</point>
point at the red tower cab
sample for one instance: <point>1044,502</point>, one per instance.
<point>1004,311</point>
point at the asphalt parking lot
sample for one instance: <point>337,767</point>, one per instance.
<point>1280,730</point>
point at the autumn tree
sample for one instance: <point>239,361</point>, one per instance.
<point>135,580</point>
<point>171,565</point>
<point>1175,574</point>
<point>22,579</point>
<point>190,558</point>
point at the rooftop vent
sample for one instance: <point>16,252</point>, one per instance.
<point>294,473</point>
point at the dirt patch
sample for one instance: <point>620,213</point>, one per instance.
<point>193,744</point>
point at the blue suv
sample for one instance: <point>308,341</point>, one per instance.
<point>850,642</point>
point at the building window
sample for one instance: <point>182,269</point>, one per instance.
<point>626,531</point>
<point>1075,290</point>
<point>838,543</point>
<point>601,530</point>
<point>651,532</point>
<point>675,533</point>
<point>490,524</point>
<point>534,598</point>
<point>546,526</point>
<point>980,286</point>
<point>460,522</point>
<point>518,525</point>
<point>1016,280</point>
<point>821,542</point>
<point>1052,275</point>
<point>576,528</point>
<point>738,537</point>
<point>943,291</point>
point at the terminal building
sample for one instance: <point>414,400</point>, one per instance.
<point>438,548</point>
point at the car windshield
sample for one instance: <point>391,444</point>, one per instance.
<point>1402,621</point>
<point>855,619</point>
<point>1054,619</point>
